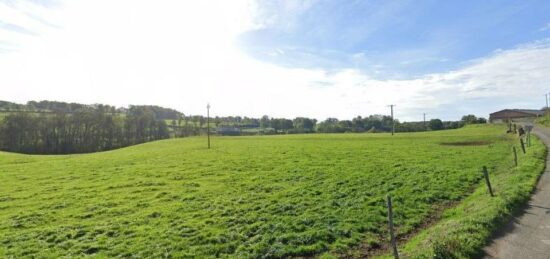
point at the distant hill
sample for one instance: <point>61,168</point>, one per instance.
<point>55,106</point>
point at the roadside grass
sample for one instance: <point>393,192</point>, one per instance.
<point>257,196</point>
<point>465,229</point>
<point>544,120</point>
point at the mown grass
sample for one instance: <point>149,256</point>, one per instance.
<point>247,197</point>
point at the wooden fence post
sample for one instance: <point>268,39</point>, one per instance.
<point>486,174</point>
<point>515,156</point>
<point>522,144</point>
<point>392,234</point>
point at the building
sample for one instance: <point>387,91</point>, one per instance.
<point>516,115</point>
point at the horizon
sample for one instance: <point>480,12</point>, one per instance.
<point>259,117</point>
<point>316,59</point>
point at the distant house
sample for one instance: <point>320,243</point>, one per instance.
<point>517,115</point>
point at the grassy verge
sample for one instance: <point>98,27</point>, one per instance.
<point>465,229</point>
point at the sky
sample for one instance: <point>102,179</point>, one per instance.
<point>288,59</point>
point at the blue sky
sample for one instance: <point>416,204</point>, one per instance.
<point>309,58</point>
<point>396,38</point>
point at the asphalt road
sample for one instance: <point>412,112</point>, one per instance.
<point>528,235</point>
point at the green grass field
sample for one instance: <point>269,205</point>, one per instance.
<point>260,196</point>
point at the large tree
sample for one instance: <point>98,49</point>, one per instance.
<point>436,124</point>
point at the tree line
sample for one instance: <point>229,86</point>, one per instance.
<point>383,123</point>
<point>48,127</point>
<point>64,107</point>
<point>195,125</point>
<point>88,129</point>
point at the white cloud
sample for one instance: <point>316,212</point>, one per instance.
<point>545,27</point>
<point>182,54</point>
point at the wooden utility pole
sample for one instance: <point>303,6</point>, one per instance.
<point>392,120</point>
<point>424,114</point>
<point>208,123</point>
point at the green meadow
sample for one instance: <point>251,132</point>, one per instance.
<point>246,197</point>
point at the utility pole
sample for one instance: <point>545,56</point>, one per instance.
<point>546,95</point>
<point>392,120</point>
<point>208,123</point>
<point>424,114</point>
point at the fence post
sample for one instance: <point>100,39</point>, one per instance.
<point>515,156</point>
<point>392,234</point>
<point>486,174</point>
<point>522,144</point>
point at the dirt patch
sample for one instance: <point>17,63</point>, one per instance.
<point>364,250</point>
<point>466,143</point>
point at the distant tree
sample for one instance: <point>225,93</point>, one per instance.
<point>410,126</point>
<point>86,129</point>
<point>265,122</point>
<point>179,131</point>
<point>469,119</point>
<point>187,127</point>
<point>304,125</point>
<point>358,124</point>
<point>345,126</point>
<point>472,119</point>
<point>286,124</point>
<point>160,112</point>
<point>217,121</point>
<point>453,124</point>
<point>330,125</point>
<point>281,125</point>
<point>436,124</point>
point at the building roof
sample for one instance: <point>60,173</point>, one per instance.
<point>526,111</point>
